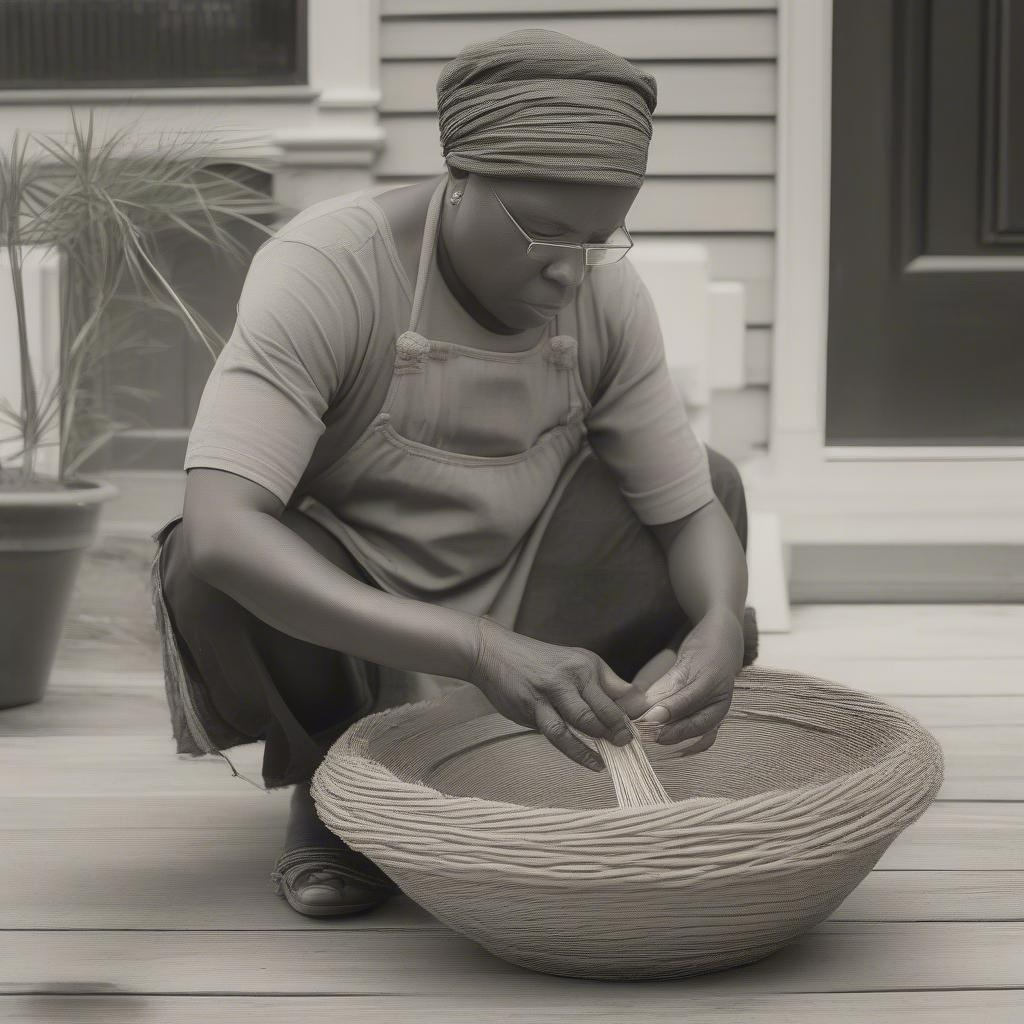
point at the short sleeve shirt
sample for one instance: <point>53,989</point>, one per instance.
<point>308,364</point>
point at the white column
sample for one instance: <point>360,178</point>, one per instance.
<point>802,233</point>
<point>333,150</point>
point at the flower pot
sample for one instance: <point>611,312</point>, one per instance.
<point>44,531</point>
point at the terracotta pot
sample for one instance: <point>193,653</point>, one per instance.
<point>43,535</point>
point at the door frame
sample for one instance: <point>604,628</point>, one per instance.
<point>803,189</point>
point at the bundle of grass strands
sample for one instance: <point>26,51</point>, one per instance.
<point>664,865</point>
<point>633,776</point>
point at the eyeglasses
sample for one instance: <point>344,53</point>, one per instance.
<point>600,254</point>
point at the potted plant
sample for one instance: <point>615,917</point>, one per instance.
<point>100,208</point>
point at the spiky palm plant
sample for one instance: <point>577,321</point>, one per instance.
<point>103,205</point>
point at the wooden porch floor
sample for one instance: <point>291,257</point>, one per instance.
<point>136,888</point>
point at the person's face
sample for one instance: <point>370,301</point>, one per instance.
<point>489,253</point>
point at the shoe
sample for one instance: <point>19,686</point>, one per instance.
<point>330,881</point>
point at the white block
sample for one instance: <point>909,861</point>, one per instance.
<point>728,335</point>
<point>700,420</point>
<point>689,385</point>
<point>767,587</point>
<point>41,269</point>
<point>677,276</point>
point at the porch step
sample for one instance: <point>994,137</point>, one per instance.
<point>934,531</point>
<point>847,533</point>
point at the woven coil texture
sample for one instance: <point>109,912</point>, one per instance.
<point>506,840</point>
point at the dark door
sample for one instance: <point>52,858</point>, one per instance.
<point>926,274</point>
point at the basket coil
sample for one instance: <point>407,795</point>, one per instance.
<point>757,839</point>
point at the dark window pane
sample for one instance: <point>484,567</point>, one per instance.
<point>69,43</point>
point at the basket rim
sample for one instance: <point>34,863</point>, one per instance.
<point>915,735</point>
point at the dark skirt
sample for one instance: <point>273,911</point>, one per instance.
<point>600,581</point>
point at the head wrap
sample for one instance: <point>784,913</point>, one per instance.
<point>542,105</point>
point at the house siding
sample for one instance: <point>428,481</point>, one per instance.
<point>711,165</point>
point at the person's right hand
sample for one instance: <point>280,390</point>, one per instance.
<point>545,686</point>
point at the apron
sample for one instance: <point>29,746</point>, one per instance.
<point>416,504</point>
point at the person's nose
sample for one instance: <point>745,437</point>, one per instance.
<point>568,270</point>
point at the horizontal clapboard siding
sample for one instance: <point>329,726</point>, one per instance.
<point>396,8</point>
<point>632,31</point>
<point>711,166</point>
<point>718,89</point>
<point>735,147</point>
<point>676,206</point>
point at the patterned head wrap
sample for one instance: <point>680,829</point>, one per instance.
<point>542,105</point>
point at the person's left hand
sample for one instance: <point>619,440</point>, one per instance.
<point>695,694</point>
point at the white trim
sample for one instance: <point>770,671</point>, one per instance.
<point>343,52</point>
<point>920,453</point>
<point>767,592</point>
<point>347,99</point>
<point>803,161</point>
<point>350,97</point>
<point>964,263</point>
<point>325,138</point>
<point>299,93</point>
<point>353,145</point>
<point>320,138</point>
<point>915,502</point>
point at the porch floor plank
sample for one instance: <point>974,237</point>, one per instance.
<point>994,1006</point>
<point>136,882</point>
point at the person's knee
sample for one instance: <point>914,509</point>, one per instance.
<point>728,487</point>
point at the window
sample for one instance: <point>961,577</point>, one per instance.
<point>48,44</point>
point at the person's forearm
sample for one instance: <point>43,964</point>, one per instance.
<point>707,564</point>
<point>276,575</point>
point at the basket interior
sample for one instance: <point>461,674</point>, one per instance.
<point>460,746</point>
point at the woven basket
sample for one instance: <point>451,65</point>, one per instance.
<point>503,838</point>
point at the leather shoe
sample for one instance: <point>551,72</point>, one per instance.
<point>330,881</point>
